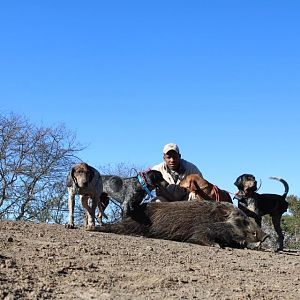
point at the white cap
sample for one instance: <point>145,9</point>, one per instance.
<point>170,147</point>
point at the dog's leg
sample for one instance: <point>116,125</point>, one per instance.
<point>126,208</point>
<point>193,197</point>
<point>90,210</point>
<point>104,201</point>
<point>71,204</point>
<point>250,213</point>
<point>101,209</point>
<point>95,203</point>
<point>276,219</point>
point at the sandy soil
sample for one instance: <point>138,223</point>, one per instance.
<point>42,261</point>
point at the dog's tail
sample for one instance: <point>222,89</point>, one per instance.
<point>286,186</point>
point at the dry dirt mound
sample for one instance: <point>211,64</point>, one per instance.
<point>42,261</point>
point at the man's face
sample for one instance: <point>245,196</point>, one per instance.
<point>172,159</point>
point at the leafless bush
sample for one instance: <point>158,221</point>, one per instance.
<point>33,165</point>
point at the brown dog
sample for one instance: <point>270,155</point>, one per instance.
<point>201,189</point>
<point>87,182</point>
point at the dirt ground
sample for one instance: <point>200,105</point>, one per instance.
<point>42,261</point>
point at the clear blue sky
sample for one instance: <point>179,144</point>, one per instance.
<point>219,78</point>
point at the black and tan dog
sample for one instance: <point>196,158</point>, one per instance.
<point>207,223</point>
<point>256,205</point>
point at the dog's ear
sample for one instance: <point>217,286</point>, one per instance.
<point>91,173</point>
<point>151,177</point>
<point>189,183</point>
<point>185,182</point>
<point>70,178</point>
<point>155,178</point>
<point>193,185</point>
<point>239,183</point>
<point>104,200</point>
<point>158,177</point>
<point>115,183</point>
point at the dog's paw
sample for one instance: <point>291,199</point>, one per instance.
<point>90,228</point>
<point>70,226</point>
<point>100,223</point>
<point>278,250</point>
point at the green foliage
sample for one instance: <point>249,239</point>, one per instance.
<point>291,222</point>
